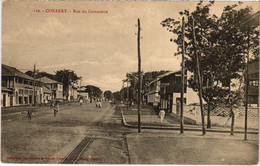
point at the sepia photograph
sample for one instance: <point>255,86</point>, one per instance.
<point>130,82</point>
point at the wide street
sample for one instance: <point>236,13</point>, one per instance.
<point>89,135</point>
<point>48,140</point>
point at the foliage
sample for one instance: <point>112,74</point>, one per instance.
<point>117,96</point>
<point>108,95</point>
<point>222,44</point>
<point>93,91</point>
<point>132,77</point>
<point>66,77</point>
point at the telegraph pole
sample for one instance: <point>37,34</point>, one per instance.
<point>247,82</point>
<point>127,93</point>
<point>34,98</point>
<point>139,77</point>
<point>182,77</point>
<point>199,79</point>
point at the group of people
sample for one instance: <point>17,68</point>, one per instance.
<point>55,106</point>
<point>98,103</point>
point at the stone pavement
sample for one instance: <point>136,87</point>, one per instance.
<point>150,120</point>
<point>169,147</point>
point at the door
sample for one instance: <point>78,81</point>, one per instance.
<point>11,100</point>
<point>4,100</point>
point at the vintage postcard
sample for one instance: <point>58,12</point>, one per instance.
<point>130,82</point>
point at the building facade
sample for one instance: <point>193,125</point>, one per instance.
<point>55,86</point>
<point>19,88</point>
<point>253,78</point>
<point>165,91</point>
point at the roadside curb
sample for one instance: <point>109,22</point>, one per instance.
<point>186,119</point>
<point>177,128</point>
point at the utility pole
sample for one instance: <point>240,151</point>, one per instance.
<point>139,77</point>
<point>199,79</point>
<point>247,82</point>
<point>34,97</point>
<point>182,76</point>
<point>127,93</point>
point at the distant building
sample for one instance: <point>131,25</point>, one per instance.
<point>165,91</point>
<point>73,94</point>
<point>47,94</point>
<point>83,94</point>
<point>55,86</point>
<point>253,77</point>
<point>18,88</point>
<point>153,97</point>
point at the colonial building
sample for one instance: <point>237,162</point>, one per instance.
<point>47,94</point>
<point>73,94</point>
<point>18,88</point>
<point>253,78</point>
<point>165,91</point>
<point>83,94</point>
<point>55,86</point>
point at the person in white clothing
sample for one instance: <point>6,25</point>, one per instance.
<point>162,114</point>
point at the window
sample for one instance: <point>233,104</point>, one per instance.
<point>20,91</point>
<point>4,82</point>
<point>26,92</point>
<point>11,83</point>
<point>20,80</point>
<point>20,100</point>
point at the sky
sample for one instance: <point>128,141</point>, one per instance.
<point>99,47</point>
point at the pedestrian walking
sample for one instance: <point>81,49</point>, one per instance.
<point>52,104</point>
<point>162,114</point>
<point>98,103</point>
<point>81,101</point>
<point>56,108</point>
<point>45,102</point>
<point>29,115</point>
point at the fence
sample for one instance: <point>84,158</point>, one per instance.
<point>220,115</point>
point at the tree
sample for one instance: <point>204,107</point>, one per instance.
<point>204,29</point>
<point>234,41</point>
<point>93,91</point>
<point>117,96</point>
<point>221,45</point>
<point>146,78</point>
<point>66,77</point>
<point>108,95</point>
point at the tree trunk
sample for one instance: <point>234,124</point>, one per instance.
<point>182,78</point>
<point>209,120</point>
<point>199,80</point>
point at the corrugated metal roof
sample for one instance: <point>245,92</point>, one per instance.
<point>46,90</point>
<point>13,72</point>
<point>163,75</point>
<point>48,80</point>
